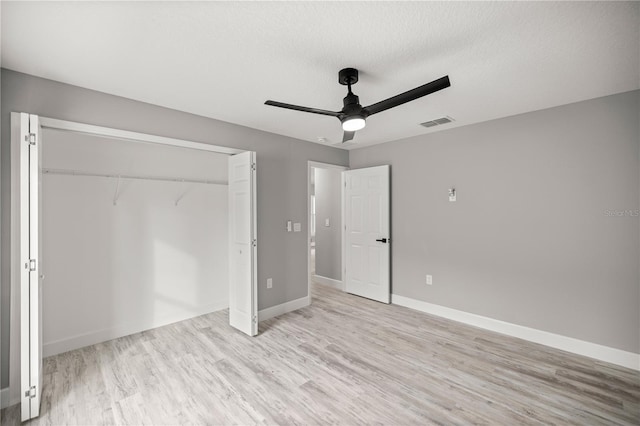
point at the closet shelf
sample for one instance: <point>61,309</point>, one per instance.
<point>123,176</point>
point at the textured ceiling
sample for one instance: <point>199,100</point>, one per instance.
<point>223,60</point>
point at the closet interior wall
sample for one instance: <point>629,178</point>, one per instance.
<point>134,237</point>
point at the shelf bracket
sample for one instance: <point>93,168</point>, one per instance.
<point>116,195</point>
<point>181,196</point>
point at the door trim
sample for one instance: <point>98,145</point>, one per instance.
<point>109,132</point>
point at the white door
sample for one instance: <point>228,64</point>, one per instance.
<point>30,263</point>
<point>367,238</point>
<point>243,271</point>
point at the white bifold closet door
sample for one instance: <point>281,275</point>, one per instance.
<point>243,271</point>
<point>26,141</point>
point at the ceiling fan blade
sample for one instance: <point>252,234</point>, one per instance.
<point>348,136</point>
<point>413,94</point>
<point>303,109</point>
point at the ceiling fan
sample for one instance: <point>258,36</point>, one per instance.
<point>353,116</point>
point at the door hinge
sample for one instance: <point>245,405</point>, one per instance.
<point>32,264</point>
<point>253,166</point>
<point>254,242</point>
<point>30,393</point>
<point>31,138</point>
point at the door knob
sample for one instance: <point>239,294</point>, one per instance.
<point>382,240</point>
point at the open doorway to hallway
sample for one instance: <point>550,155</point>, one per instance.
<point>325,239</point>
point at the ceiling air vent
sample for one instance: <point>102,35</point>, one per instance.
<point>437,122</point>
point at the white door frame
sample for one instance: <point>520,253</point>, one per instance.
<point>111,133</point>
<point>71,126</point>
<point>25,259</point>
<point>317,165</point>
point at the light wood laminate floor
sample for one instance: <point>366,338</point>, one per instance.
<point>343,360</point>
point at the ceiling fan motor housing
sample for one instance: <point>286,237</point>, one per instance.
<point>352,108</point>
<point>351,101</point>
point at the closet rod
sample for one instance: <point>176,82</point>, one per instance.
<point>157,178</point>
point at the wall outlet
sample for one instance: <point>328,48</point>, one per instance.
<point>429,280</point>
<point>269,282</point>
<point>297,227</point>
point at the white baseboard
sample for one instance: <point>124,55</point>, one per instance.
<point>5,398</point>
<point>569,344</point>
<point>97,336</point>
<point>328,281</point>
<point>283,308</point>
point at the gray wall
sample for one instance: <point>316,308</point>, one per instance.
<point>282,173</point>
<point>529,240</point>
<point>328,238</point>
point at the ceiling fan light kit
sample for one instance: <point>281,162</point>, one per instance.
<point>353,116</point>
<point>351,124</point>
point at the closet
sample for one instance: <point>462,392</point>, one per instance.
<point>116,232</point>
<point>134,236</point>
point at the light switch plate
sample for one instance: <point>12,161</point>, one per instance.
<point>288,226</point>
<point>326,222</point>
<point>296,227</point>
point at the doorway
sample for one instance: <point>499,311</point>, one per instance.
<point>360,262</point>
<point>326,225</point>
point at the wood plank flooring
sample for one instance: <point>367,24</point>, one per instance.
<point>343,360</point>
